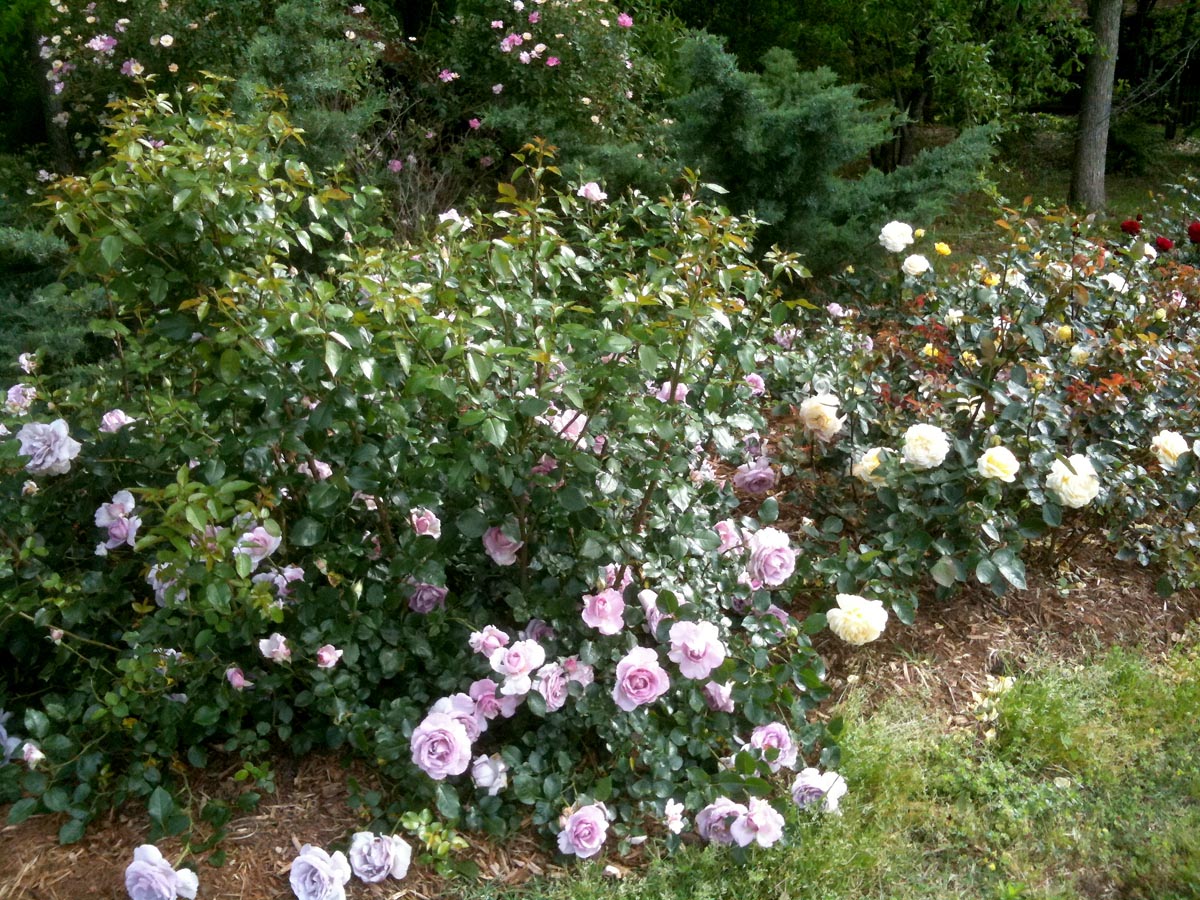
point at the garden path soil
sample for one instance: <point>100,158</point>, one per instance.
<point>1068,613</point>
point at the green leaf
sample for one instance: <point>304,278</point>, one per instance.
<point>230,366</point>
<point>602,789</point>
<point>945,571</point>
<point>71,831</point>
<point>768,512</point>
<point>986,571</point>
<point>495,432</point>
<point>37,723</point>
<point>333,357</point>
<point>111,248</point>
<point>22,810</point>
<point>306,532</point>
<point>1011,567</point>
<point>160,805</point>
<point>56,799</point>
<point>1051,514</point>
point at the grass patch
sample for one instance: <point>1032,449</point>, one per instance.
<point>1090,788</point>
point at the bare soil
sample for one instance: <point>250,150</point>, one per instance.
<point>1068,613</point>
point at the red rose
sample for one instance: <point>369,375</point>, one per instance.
<point>1131,226</point>
<point>1194,232</point>
<point>1164,244</point>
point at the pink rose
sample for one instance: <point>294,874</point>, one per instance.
<point>758,387</point>
<point>489,703</point>
<point>665,394</point>
<point>275,648</point>
<point>579,672</point>
<point>696,647</point>
<point>713,822</point>
<point>551,682</point>
<point>440,746</point>
<point>591,192</point>
<point>487,641</point>
<point>584,831</point>
<point>425,523</point>
<point>640,679</point>
<point>237,678</point>
<point>490,773</point>
<point>625,20</point>
<point>463,709</point>
<point>516,663</point>
<point>500,547</point>
<point>604,611</point>
<point>761,825</point>
<point>774,739</point>
<point>719,697</point>
<point>257,544</point>
<point>729,534</point>
<point>328,656</point>
<point>772,561</point>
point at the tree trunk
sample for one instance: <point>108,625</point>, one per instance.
<point>1091,140</point>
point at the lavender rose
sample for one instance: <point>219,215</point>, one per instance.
<point>490,773</point>
<point>114,420</point>
<point>440,746</point>
<point>712,822</point>
<point>464,710</point>
<point>49,447</point>
<point>696,647</point>
<point>640,679</point>
<point>426,597</point>
<point>425,522</point>
<point>774,736</point>
<point>373,857</point>
<point>755,478</point>
<point>500,547</point>
<point>584,831</point>
<point>551,682</point>
<point>150,877</point>
<point>604,611</point>
<point>316,875</point>
<point>772,561</point>
<point>761,825</point>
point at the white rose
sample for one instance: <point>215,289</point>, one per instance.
<point>819,415</point>
<point>953,317</point>
<point>857,620</point>
<point>1168,446</point>
<point>1116,282</point>
<point>864,469</point>
<point>925,446</point>
<point>999,462</point>
<point>915,265</point>
<point>895,236</point>
<point>1079,355</point>
<point>1074,482</point>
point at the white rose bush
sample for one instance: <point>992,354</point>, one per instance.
<point>499,510</point>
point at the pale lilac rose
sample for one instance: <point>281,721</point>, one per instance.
<point>673,816</point>
<point>757,386</point>
<point>117,518</point>
<point>29,488</point>
<point>545,465</point>
<point>604,611</point>
<point>328,656</point>
<point>150,877</point>
<point>719,697</point>
<point>315,469</point>
<point>774,739</point>
<point>755,477</point>
<point>730,535</point>
<point>761,825</point>
<point>164,587</point>
<point>772,561</point>
<point>516,664</point>
<point>487,641</point>
<point>591,192</point>
<point>425,597</point>
<point>31,754</point>
<point>237,678</point>
<point>714,821</point>
<point>568,425</point>
<point>317,875</point>
<point>609,576</point>
<point>584,831</point>
<point>374,857</point>
<point>812,786</point>
<point>440,746</point>
<point>56,635</point>
<point>779,614</point>
<point>579,672</point>
<point>666,394</point>
<point>28,362</point>
<point>500,547</point>
<point>640,679</point>
<point>537,630</point>
<point>49,447</point>
<point>275,648</point>
<point>490,773</point>
<point>696,647</point>
<point>551,682</point>
<point>464,710</point>
<point>649,601</point>
<point>20,397</point>
<point>257,544</point>
<point>425,523</point>
<point>489,702</point>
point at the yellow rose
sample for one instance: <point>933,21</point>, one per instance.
<point>1064,333</point>
<point>941,248</point>
<point>1168,446</point>
<point>819,415</point>
<point>857,620</point>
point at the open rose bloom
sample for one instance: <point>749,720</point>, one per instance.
<point>150,877</point>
